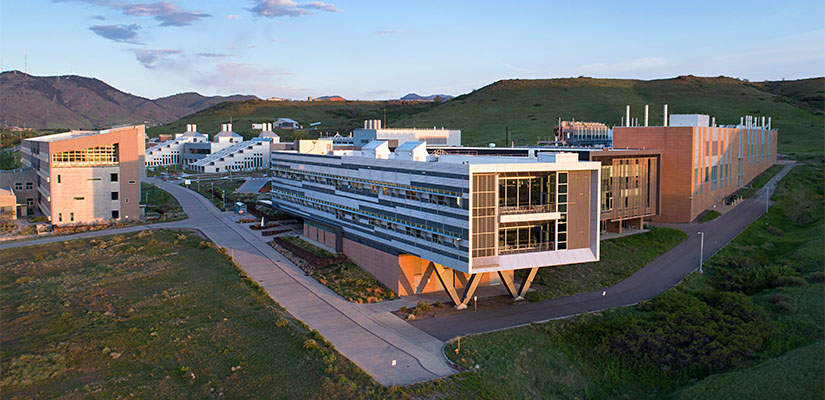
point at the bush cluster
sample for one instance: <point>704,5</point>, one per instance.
<point>744,275</point>
<point>694,332</point>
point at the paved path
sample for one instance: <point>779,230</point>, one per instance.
<point>653,279</point>
<point>368,338</point>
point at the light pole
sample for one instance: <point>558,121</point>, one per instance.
<point>767,197</point>
<point>223,196</point>
<point>212,192</point>
<point>701,250</point>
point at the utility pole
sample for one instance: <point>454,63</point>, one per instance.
<point>701,250</point>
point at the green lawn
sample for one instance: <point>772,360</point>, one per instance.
<point>217,189</point>
<point>798,374</point>
<point>155,314</point>
<point>760,181</point>
<point>620,258</point>
<point>160,205</point>
<point>709,216</point>
<point>738,325</point>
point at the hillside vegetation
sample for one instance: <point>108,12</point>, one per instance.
<point>531,108</point>
<point>75,102</point>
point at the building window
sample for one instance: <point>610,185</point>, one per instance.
<point>113,177</point>
<point>58,178</point>
<point>115,214</point>
<point>131,182</point>
<point>98,155</point>
<point>79,198</point>
<point>71,217</point>
<point>18,185</point>
<point>59,217</point>
<point>114,195</point>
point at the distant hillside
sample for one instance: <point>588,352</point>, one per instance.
<point>183,104</point>
<point>334,97</point>
<point>432,97</point>
<point>76,102</point>
<point>335,116</point>
<point>808,94</point>
<point>531,108</point>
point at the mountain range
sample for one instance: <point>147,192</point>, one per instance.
<point>432,97</point>
<point>76,102</point>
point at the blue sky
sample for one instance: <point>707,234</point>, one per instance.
<point>385,49</point>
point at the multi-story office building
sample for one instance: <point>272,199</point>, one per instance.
<point>22,184</point>
<point>702,163</point>
<point>173,152</point>
<point>422,223</point>
<point>86,177</point>
<point>629,179</point>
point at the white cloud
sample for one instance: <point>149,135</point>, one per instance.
<point>233,17</point>
<point>289,8</point>
<point>391,32</point>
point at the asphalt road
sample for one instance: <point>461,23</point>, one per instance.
<point>651,280</point>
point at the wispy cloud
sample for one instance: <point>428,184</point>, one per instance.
<point>288,8</point>
<point>237,77</point>
<point>391,32</point>
<point>118,33</point>
<point>168,13</point>
<point>151,58</point>
<point>232,17</point>
<point>99,17</point>
<point>211,55</point>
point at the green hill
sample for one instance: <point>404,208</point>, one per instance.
<point>335,116</point>
<point>531,108</point>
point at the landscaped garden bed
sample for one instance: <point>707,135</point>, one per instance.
<point>334,271</point>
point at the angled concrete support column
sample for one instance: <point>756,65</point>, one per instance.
<point>441,274</point>
<point>472,284</point>
<point>525,284</point>
<point>425,278</point>
<point>509,285</point>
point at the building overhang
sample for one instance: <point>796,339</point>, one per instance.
<point>531,260</point>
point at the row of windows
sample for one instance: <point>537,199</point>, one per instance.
<point>348,213</point>
<point>19,185</point>
<point>371,182</point>
<point>98,155</point>
<point>374,187</point>
<point>112,178</point>
<point>115,215</point>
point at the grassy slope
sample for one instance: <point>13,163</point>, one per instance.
<point>620,258</point>
<point>530,108</point>
<point>802,369</point>
<point>808,94</point>
<point>544,361</point>
<point>154,314</point>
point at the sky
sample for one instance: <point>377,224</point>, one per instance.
<point>388,48</point>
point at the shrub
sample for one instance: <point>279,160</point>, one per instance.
<point>789,281</point>
<point>694,332</point>
<point>785,308</point>
<point>403,309</point>
<point>818,276</point>
<point>310,344</point>
<point>281,323</point>
<point>777,298</point>
<point>746,275</point>
<point>204,245</point>
<point>775,231</point>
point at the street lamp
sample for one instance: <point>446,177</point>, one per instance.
<point>223,196</point>
<point>701,250</point>
<point>767,197</point>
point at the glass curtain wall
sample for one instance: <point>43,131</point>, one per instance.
<point>524,194</point>
<point>526,238</point>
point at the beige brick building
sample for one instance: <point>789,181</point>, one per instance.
<point>88,177</point>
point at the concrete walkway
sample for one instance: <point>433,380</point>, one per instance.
<point>653,279</point>
<point>370,339</point>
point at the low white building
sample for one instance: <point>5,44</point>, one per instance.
<point>286,123</point>
<point>242,156</point>
<point>396,136</point>
<point>171,152</point>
